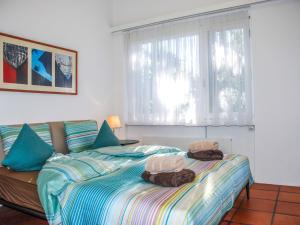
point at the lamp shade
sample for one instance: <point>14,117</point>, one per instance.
<point>114,122</point>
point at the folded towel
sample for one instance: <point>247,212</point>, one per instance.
<point>165,164</point>
<point>208,155</point>
<point>203,146</point>
<point>173,179</point>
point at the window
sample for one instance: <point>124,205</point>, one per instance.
<point>194,72</point>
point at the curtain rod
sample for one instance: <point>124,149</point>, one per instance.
<point>129,27</point>
<point>179,125</point>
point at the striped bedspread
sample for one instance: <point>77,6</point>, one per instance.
<point>104,186</point>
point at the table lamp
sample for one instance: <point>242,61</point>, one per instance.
<point>114,122</point>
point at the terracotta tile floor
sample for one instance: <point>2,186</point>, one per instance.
<point>268,205</point>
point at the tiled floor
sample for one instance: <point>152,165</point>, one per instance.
<point>268,205</point>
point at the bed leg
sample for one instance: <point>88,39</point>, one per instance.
<point>248,190</point>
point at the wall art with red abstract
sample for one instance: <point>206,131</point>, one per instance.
<point>31,66</point>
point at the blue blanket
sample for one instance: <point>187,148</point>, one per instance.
<point>104,186</point>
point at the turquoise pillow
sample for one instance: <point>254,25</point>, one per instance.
<point>105,137</point>
<point>29,152</point>
<point>10,133</point>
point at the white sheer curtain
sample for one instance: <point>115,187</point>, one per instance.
<point>192,72</point>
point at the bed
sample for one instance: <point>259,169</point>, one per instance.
<point>104,186</point>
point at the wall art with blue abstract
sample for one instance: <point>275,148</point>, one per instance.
<point>41,67</point>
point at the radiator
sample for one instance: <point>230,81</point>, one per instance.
<point>225,144</point>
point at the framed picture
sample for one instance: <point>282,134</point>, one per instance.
<point>31,66</point>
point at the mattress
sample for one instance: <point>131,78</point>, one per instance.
<point>20,188</point>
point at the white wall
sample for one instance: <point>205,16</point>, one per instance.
<point>276,67</point>
<point>272,149</point>
<point>80,25</point>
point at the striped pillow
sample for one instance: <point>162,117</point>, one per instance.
<point>80,135</point>
<point>10,133</point>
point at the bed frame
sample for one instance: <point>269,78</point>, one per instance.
<point>23,209</point>
<point>248,190</point>
<point>43,216</point>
